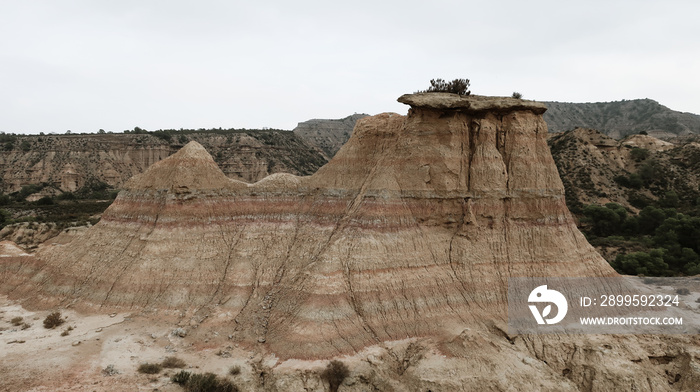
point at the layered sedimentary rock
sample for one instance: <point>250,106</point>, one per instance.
<point>70,163</point>
<point>412,230</point>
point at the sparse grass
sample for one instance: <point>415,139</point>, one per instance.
<point>53,320</point>
<point>17,321</point>
<point>26,326</point>
<point>334,374</point>
<point>235,370</point>
<point>150,368</point>
<point>173,363</point>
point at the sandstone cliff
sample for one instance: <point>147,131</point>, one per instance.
<point>396,254</point>
<point>71,162</point>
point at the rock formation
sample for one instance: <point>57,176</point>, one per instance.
<point>410,232</point>
<point>404,233</point>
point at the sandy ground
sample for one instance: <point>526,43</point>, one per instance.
<point>38,359</point>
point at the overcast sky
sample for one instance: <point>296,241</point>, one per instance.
<point>85,65</point>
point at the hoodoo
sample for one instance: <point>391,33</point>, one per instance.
<point>411,231</point>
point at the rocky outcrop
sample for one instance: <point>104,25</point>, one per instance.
<point>327,135</point>
<point>597,169</point>
<point>71,162</point>
<point>397,253</point>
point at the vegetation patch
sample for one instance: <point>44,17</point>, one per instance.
<point>334,374</point>
<point>207,382</point>
<point>173,363</point>
<point>456,86</point>
<point>149,368</point>
<point>53,320</point>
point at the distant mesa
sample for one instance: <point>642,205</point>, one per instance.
<point>622,118</point>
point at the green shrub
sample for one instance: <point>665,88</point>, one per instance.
<point>642,263</point>
<point>334,374</point>
<point>45,201</point>
<point>457,86</point>
<point>66,196</point>
<point>670,200</point>
<point>149,368</point>
<point>53,320</point>
<point>639,154</point>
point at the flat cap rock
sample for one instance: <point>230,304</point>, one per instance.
<point>470,103</point>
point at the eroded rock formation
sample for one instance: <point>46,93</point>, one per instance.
<point>410,232</point>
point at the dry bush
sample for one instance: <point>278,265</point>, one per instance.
<point>17,321</point>
<point>149,368</point>
<point>66,332</point>
<point>53,320</point>
<point>109,371</point>
<point>235,370</point>
<point>334,374</point>
<point>209,382</point>
<point>173,363</point>
<point>181,377</point>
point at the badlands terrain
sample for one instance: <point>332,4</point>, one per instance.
<point>393,258</point>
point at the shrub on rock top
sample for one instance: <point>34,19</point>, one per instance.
<point>457,86</point>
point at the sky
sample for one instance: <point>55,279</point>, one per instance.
<point>85,65</point>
